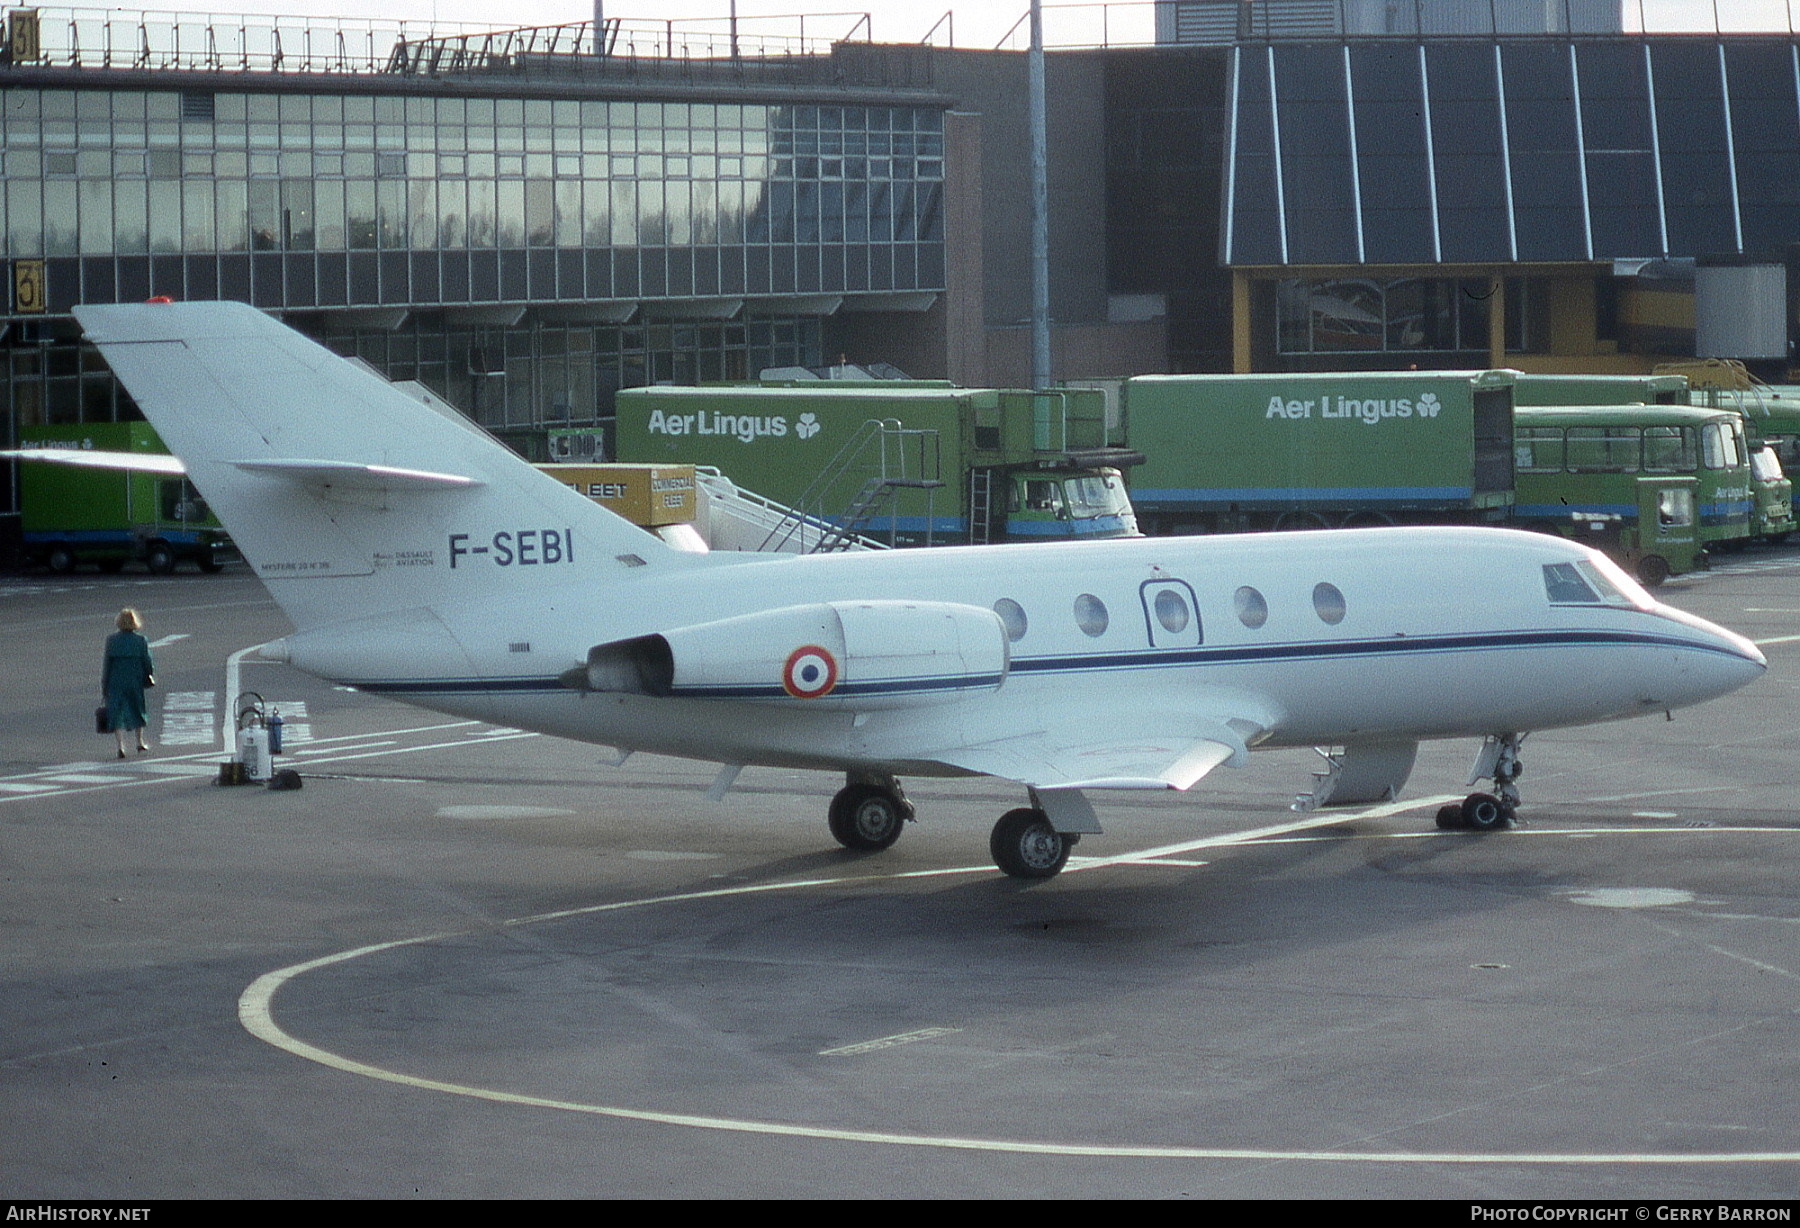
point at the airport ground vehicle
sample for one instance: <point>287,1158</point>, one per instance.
<point>1713,383</point>
<point>1612,475</point>
<point>1296,451</point>
<point>1660,389</point>
<point>78,515</point>
<point>909,465</point>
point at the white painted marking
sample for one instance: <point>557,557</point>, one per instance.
<point>313,750</point>
<point>1779,639</point>
<point>23,789</point>
<point>478,813</point>
<point>667,855</point>
<point>1654,814</point>
<point>189,719</point>
<point>80,778</point>
<point>889,1042</point>
<point>177,769</point>
<point>407,750</point>
<point>1630,897</point>
<point>255,1013</point>
<point>166,640</point>
<point>1258,833</point>
<point>296,722</point>
<point>233,689</point>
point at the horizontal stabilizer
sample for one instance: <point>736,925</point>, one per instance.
<point>352,476</point>
<point>87,458</point>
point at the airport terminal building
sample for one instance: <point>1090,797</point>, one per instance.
<point>528,220</point>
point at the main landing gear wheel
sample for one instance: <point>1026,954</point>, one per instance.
<point>867,818</point>
<point>1024,844</point>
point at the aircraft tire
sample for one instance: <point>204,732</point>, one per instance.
<point>1449,818</point>
<point>1484,812</point>
<point>866,818</point>
<point>1024,845</point>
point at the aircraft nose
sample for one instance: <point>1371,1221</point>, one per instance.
<point>1718,661</point>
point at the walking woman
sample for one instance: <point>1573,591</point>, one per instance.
<point>128,670</point>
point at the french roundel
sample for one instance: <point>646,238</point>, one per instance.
<point>810,672</point>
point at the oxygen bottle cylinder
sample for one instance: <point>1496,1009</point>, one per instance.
<point>253,752</point>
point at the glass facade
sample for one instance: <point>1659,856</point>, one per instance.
<point>385,201</point>
<point>305,200</point>
<point>1359,315</point>
<point>1511,150</point>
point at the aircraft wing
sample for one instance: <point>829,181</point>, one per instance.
<point>1144,750</point>
<point>85,458</point>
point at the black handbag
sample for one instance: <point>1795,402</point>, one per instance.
<point>101,724</point>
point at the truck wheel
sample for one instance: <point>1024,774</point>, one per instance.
<point>61,559</point>
<point>161,559</point>
<point>1652,570</point>
<point>210,565</point>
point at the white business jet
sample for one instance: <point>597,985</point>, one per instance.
<point>419,559</point>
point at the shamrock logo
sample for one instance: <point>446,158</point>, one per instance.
<point>808,426</point>
<point>1428,405</point>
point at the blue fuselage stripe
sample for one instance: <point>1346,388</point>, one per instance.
<point>1142,658</point>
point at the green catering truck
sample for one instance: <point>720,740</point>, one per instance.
<point>1660,389</point>
<point>1232,453</point>
<point>71,515</point>
<point>908,465</point>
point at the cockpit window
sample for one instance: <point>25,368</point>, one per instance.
<point>1598,581</point>
<point>1566,587</point>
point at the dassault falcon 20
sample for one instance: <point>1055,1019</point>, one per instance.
<point>419,559</point>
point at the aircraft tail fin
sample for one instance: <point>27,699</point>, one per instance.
<point>348,496</point>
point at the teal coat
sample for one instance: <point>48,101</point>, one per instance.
<point>128,667</point>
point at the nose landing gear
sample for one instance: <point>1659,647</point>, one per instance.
<point>1498,760</point>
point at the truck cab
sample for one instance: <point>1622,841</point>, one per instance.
<point>1068,503</point>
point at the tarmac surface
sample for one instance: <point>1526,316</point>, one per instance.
<point>464,961</point>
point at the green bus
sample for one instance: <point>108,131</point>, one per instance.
<point>1768,423</point>
<point>1603,472</point>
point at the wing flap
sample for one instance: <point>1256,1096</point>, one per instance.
<point>1142,753</point>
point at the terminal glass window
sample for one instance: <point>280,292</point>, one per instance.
<point>1369,315</point>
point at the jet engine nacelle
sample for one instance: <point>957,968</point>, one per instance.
<point>841,654</point>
